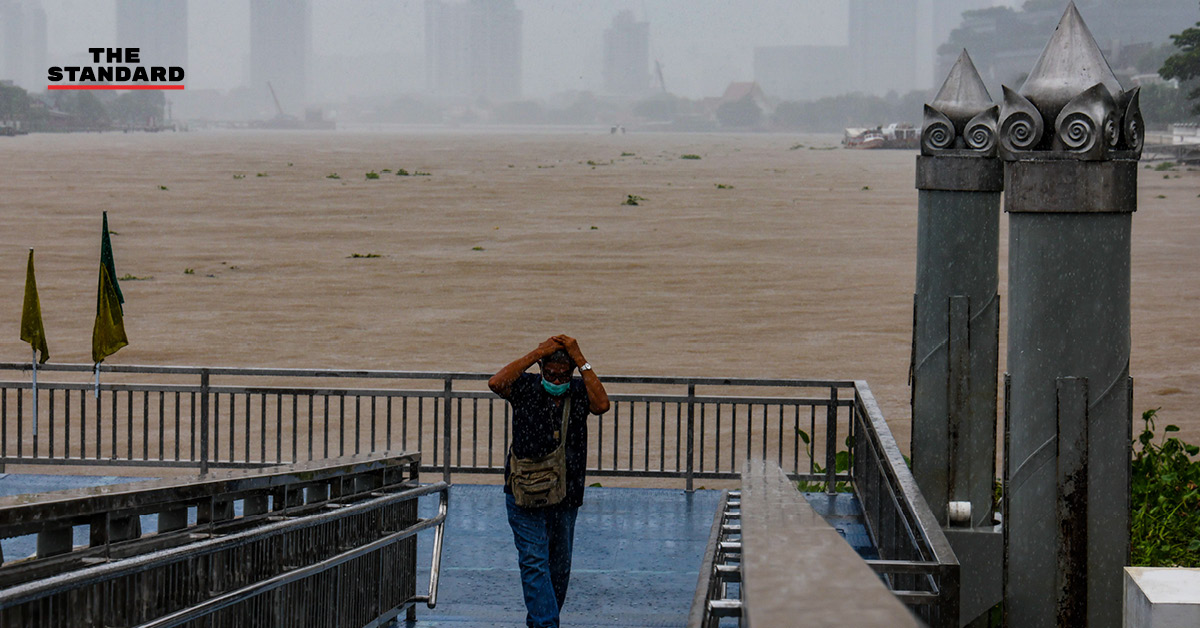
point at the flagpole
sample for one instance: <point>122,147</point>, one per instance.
<point>97,380</point>
<point>35,395</point>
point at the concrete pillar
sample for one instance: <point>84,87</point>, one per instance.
<point>1070,140</point>
<point>956,306</point>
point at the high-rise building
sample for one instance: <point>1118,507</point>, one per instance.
<point>883,42</point>
<point>803,72</point>
<point>158,28</point>
<point>473,49</point>
<point>23,43</point>
<point>881,56</point>
<point>627,56</point>
<point>280,47</point>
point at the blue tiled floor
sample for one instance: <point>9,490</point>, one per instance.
<point>637,553</point>
<point>844,512</point>
<point>637,557</point>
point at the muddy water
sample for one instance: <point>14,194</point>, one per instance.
<point>762,258</point>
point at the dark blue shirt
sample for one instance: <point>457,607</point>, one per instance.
<point>536,422</point>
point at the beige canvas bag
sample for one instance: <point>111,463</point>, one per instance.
<point>540,482</point>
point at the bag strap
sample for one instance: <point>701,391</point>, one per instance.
<point>566,417</point>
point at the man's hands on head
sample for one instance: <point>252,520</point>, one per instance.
<point>572,347</point>
<point>548,346</point>
<point>501,382</point>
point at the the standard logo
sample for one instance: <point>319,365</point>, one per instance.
<point>115,76</point>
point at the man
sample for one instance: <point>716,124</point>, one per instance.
<point>544,536</point>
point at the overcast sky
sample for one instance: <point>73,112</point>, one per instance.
<point>702,44</point>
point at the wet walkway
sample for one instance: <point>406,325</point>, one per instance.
<point>637,557</point>
<point>637,553</point>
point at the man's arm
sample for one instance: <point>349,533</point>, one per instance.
<point>597,397</point>
<point>501,383</point>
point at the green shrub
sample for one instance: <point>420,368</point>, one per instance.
<point>1165,485</point>
<point>689,156</point>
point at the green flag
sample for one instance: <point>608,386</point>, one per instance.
<point>108,334</point>
<point>32,330</point>
<point>106,258</point>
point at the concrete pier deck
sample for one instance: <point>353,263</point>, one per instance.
<point>636,562</point>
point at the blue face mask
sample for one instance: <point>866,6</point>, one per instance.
<point>555,389</point>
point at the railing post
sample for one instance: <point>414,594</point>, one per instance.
<point>831,441</point>
<point>446,430</point>
<point>203,421</point>
<point>691,423</point>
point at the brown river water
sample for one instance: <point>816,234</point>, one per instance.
<point>802,266</point>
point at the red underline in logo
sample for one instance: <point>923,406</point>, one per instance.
<point>116,86</point>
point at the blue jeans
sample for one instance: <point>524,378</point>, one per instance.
<point>543,537</point>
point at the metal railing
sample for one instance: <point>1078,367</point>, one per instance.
<point>684,427</point>
<point>715,598</point>
<point>915,558</point>
<point>675,427</point>
<point>916,561</point>
<point>306,540</point>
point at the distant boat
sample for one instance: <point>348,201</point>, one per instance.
<point>10,128</point>
<point>894,135</point>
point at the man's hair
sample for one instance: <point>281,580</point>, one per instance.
<point>560,356</point>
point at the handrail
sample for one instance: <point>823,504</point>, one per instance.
<point>354,494</point>
<point>922,566</point>
<point>435,569</point>
<point>234,597</point>
<point>678,427</point>
<point>390,374</point>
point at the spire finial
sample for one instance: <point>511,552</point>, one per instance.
<point>1072,94</point>
<point>961,116</point>
<point>1070,63</point>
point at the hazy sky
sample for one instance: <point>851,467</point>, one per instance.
<point>702,44</point>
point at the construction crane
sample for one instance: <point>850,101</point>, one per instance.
<point>278,108</point>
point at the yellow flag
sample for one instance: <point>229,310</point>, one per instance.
<point>108,334</point>
<point>31,315</point>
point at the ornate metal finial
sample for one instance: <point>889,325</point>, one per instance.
<point>1072,105</point>
<point>961,120</point>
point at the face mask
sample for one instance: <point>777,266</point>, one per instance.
<point>555,389</point>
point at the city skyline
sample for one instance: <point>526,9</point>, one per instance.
<point>702,44</point>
